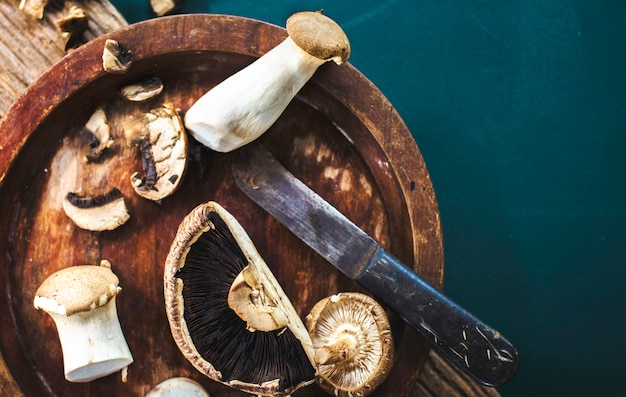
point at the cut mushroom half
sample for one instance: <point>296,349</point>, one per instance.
<point>245,105</point>
<point>81,301</point>
<point>105,211</point>
<point>162,142</point>
<point>228,315</point>
<point>353,344</point>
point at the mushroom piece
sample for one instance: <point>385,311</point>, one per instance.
<point>72,26</point>
<point>97,133</point>
<point>162,141</point>
<point>245,105</point>
<point>105,211</point>
<point>353,344</point>
<point>178,387</point>
<point>81,301</point>
<point>165,7</point>
<point>33,7</point>
<point>228,315</point>
<point>143,90</point>
<point>116,58</point>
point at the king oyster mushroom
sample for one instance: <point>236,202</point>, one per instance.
<point>162,141</point>
<point>353,344</point>
<point>228,315</point>
<point>81,301</point>
<point>245,105</point>
<point>105,211</point>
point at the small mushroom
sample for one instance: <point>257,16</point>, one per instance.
<point>97,133</point>
<point>142,90</point>
<point>162,141</point>
<point>116,58</point>
<point>81,301</point>
<point>178,387</point>
<point>34,8</point>
<point>97,213</point>
<point>165,7</point>
<point>73,25</point>
<point>353,344</point>
<point>228,315</point>
<point>245,105</point>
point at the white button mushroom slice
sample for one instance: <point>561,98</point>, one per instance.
<point>228,314</point>
<point>353,343</point>
<point>101,212</point>
<point>116,58</point>
<point>178,387</point>
<point>81,301</point>
<point>245,105</point>
<point>162,141</point>
<point>142,90</point>
<point>97,133</point>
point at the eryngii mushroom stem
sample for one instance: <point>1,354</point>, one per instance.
<point>81,301</point>
<point>245,105</point>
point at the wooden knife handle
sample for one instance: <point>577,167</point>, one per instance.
<point>475,348</point>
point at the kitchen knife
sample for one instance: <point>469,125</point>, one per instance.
<point>475,348</point>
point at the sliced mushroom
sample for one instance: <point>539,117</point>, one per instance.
<point>245,105</point>
<point>97,213</point>
<point>33,7</point>
<point>165,7</point>
<point>81,301</point>
<point>115,57</point>
<point>162,141</point>
<point>142,90</point>
<point>228,315</point>
<point>178,387</point>
<point>353,344</point>
<point>73,25</point>
<point>97,133</point>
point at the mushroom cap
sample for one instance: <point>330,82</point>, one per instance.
<point>319,36</point>
<point>353,343</point>
<point>228,314</point>
<point>178,387</point>
<point>77,289</point>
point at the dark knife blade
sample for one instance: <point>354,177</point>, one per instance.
<point>475,348</point>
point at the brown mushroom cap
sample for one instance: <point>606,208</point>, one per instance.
<point>319,36</point>
<point>353,343</point>
<point>78,289</point>
<point>227,313</point>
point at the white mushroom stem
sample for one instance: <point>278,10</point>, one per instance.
<point>344,349</point>
<point>92,341</point>
<point>245,105</point>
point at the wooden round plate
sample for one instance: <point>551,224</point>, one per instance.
<point>340,136</point>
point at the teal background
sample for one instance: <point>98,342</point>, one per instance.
<point>519,109</point>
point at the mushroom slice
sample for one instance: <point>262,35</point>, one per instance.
<point>72,26</point>
<point>33,7</point>
<point>165,7</point>
<point>101,212</point>
<point>81,301</point>
<point>142,90</point>
<point>353,343</point>
<point>162,142</point>
<point>97,132</point>
<point>228,315</point>
<point>116,58</point>
<point>178,387</point>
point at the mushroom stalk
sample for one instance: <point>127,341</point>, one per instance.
<point>84,360</point>
<point>245,105</point>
